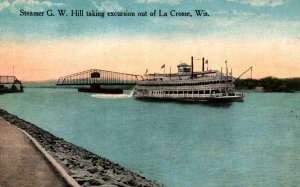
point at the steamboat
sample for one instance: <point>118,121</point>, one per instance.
<point>188,85</point>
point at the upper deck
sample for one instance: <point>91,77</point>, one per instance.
<point>186,79</point>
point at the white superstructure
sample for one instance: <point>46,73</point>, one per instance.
<point>187,85</point>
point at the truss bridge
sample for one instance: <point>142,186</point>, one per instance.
<point>96,78</point>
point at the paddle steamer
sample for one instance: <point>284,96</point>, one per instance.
<point>187,85</point>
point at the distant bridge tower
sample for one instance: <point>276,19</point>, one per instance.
<point>96,78</point>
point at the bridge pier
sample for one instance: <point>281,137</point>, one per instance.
<point>96,88</point>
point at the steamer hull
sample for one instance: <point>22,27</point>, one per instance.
<point>221,99</point>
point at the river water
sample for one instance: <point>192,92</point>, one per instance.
<point>250,143</point>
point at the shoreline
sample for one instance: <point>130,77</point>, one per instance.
<point>87,168</point>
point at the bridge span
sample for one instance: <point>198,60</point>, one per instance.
<point>95,78</point>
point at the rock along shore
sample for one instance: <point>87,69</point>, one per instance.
<point>85,167</point>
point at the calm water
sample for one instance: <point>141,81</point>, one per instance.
<point>253,143</point>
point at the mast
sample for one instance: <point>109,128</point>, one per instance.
<point>226,71</point>
<point>192,67</point>
<point>206,62</point>
<point>226,88</point>
<point>202,64</point>
<point>221,75</point>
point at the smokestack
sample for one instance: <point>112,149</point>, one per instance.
<point>192,67</point>
<point>203,64</point>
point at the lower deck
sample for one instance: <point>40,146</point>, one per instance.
<point>192,94</point>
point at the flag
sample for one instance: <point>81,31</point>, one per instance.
<point>226,62</point>
<point>206,62</point>
<point>163,66</point>
<point>146,71</point>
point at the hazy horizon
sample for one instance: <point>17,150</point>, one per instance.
<point>55,80</point>
<point>263,34</point>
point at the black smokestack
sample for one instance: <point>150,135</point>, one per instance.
<point>192,67</point>
<point>203,64</point>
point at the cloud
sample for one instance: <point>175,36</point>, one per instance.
<point>50,4</point>
<point>232,23</point>
<point>171,2</point>
<point>4,5</point>
<point>36,3</point>
<point>28,4</point>
<point>200,1</point>
<point>260,3</point>
<point>233,12</point>
<point>108,6</point>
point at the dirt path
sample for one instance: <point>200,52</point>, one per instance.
<point>21,164</point>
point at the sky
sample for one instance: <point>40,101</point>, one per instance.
<point>264,34</point>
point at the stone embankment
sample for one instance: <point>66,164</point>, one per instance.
<point>85,167</point>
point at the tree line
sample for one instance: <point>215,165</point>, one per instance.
<point>270,84</point>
